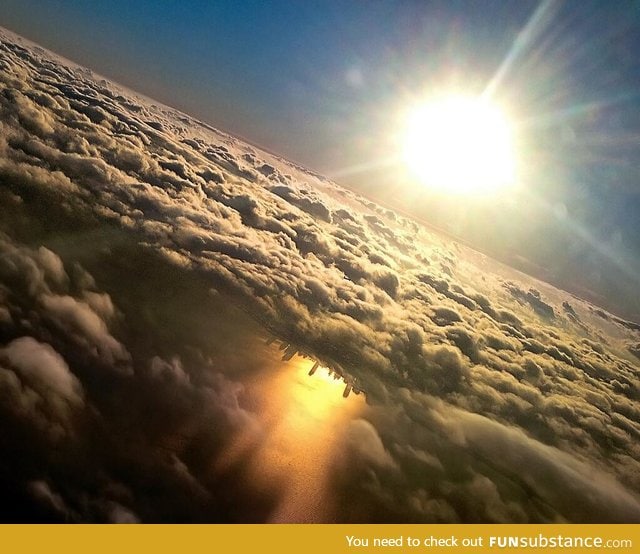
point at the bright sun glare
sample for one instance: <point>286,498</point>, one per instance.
<point>460,145</point>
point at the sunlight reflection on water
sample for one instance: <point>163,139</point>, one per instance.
<point>302,424</point>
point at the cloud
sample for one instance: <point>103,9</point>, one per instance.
<point>43,368</point>
<point>304,200</point>
<point>365,445</point>
<point>79,320</point>
<point>50,500</point>
<point>144,258</point>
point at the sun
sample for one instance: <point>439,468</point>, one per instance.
<point>460,145</point>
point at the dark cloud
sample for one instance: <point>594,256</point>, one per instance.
<point>532,297</point>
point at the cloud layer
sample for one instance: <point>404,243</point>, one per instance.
<point>144,258</point>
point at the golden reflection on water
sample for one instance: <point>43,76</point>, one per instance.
<point>302,427</point>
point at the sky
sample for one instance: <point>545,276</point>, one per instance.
<point>287,75</point>
<point>323,83</point>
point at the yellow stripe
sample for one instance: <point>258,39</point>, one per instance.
<point>310,539</point>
